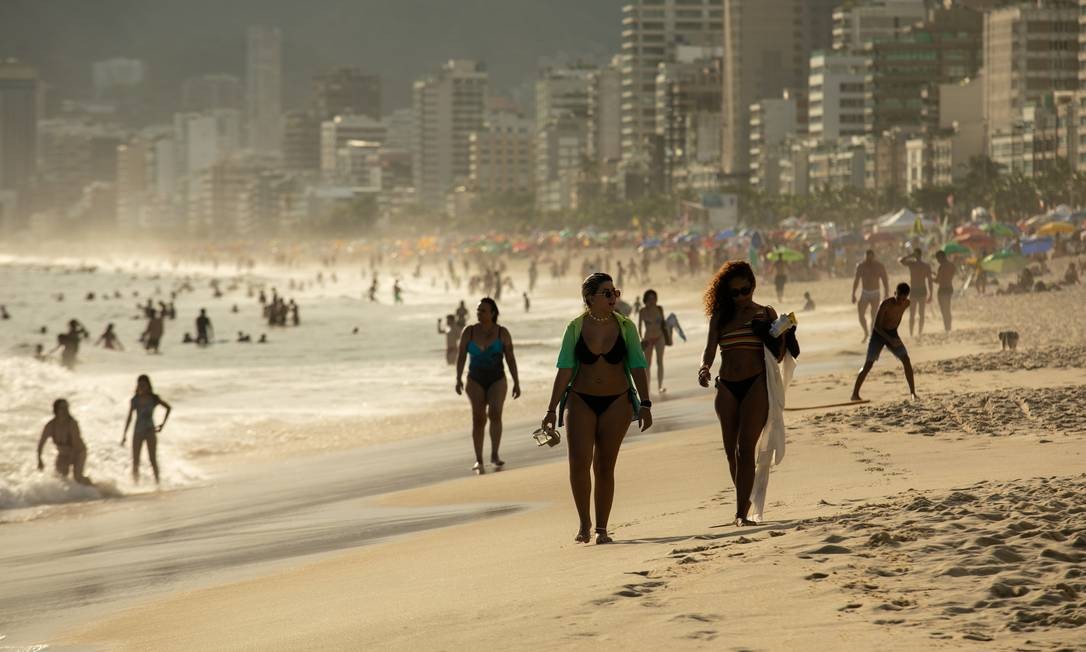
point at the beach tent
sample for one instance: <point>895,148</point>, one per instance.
<point>903,221</point>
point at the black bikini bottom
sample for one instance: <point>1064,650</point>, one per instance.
<point>598,404</point>
<point>486,377</point>
<point>738,388</point>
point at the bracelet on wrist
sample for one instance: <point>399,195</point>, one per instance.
<point>646,403</point>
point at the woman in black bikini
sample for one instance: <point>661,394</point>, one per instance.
<point>736,325</point>
<point>487,343</point>
<point>600,364</point>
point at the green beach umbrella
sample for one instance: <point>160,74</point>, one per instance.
<point>785,254</point>
<point>1004,262</point>
<point>999,230</point>
<point>952,248</point>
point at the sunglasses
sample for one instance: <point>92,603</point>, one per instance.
<point>610,294</point>
<point>744,291</point>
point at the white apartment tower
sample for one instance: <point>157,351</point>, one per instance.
<point>563,133</point>
<point>651,31</point>
<point>263,88</point>
<point>448,106</point>
<point>836,96</point>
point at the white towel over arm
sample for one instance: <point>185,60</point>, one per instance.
<point>771,444</point>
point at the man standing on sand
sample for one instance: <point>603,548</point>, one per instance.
<point>944,278</point>
<point>884,334</point>
<point>869,271</point>
<point>921,279</point>
<point>71,451</point>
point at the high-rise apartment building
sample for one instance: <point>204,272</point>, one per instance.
<point>651,31</point>
<point>605,116</point>
<point>836,94</point>
<point>905,70</point>
<point>116,76</point>
<point>208,92</point>
<point>855,25</point>
<point>263,88</point>
<point>18,125</point>
<point>772,122</point>
<point>1029,52</point>
<point>343,129</point>
<point>501,154</point>
<point>449,106</point>
<point>562,133</point>
<point>688,98</point>
<point>301,141</point>
<point>347,91</point>
<point>767,47</point>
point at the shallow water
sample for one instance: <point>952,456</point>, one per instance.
<point>311,387</point>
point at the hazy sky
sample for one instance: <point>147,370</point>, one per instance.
<point>401,39</point>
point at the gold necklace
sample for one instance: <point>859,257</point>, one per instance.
<point>595,318</point>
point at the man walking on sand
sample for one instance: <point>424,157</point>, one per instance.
<point>944,278</point>
<point>869,271</point>
<point>920,279</point>
<point>884,334</point>
<point>71,451</point>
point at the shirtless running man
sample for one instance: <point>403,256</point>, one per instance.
<point>920,277</point>
<point>884,334</point>
<point>944,278</point>
<point>870,272</point>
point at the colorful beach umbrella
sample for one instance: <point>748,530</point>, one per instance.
<point>952,248</point>
<point>1053,228</point>
<point>785,254</point>
<point>1004,262</point>
<point>1036,246</point>
<point>999,230</point>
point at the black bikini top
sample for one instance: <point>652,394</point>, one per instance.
<point>616,355</point>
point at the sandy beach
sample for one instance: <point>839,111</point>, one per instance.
<point>955,522</point>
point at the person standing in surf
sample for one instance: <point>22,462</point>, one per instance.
<point>487,343</point>
<point>737,326</point>
<point>603,382</point>
<point>63,429</point>
<point>143,404</point>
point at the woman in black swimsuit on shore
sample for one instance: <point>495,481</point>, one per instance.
<point>736,325</point>
<point>487,343</point>
<point>600,365</point>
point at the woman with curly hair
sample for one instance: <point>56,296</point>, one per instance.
<point>739,327</point>
<point>600,365</point>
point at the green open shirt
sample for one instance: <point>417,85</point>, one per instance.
<point>635,357</point>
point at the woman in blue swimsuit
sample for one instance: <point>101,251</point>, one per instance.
<point>487,343</point>
<point>143,404</point>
